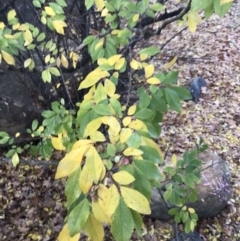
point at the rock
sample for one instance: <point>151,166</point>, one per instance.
<point>193,236</point>
<point>214,191</point>
<point>195,87</point>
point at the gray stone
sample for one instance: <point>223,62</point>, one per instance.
<point>214,191</point>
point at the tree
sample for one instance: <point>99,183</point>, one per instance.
<point>108,136</point>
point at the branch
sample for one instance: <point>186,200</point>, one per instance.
<point>158,31</point>
<point>148,20</point>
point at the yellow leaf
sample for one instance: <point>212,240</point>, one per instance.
<point>65,236</point>
<point>114,194</point>
<point>174,160</point>
<point>90,93</point>
<point>115,31</point>
<point>134,64</point>
<point>57,142</point>
<point>92,126</point>
<point>93,157</point>
<point>9,36</point>
<point>99,44</point>
<point>191,210</point>
<point>16,26</point>
<point>102,61</point>
<point>125,134</point>
<point>59,26</point>
<point>127,120</point>
<point>15,159</point>
<point>135,200</point>
<point>143,57</point>
<point>113,138</point>
<point>131,151</point>
<point>149,142</point>
<point>47,58</point>
<point>100,207</point>
<point>97,136</point>
<point>104,12</point>
<point>17,134</point>
<point>149,70</point>
<point>27,62</point>
<point>123,178</point>
<point>49,11</point>
<point>94,229</point>
<point>86,179</point>
<point>11,14</point>
<point>70,162</point>
<point>171,63</point>
<point>135,17</point>
<point>99,4</point>
<point>100,94</point>
<point>222,2</point>
<point>132,110</point>
<point>153,81</point>
<point>193,19</point>
<point>8,58</point>
<point>92,78</point>
<point>82,143</point>
<point>113,59</point>
<point>2,25</point>
<point>113,124</point>
<point>109,87</point>
<point>64,61</point>
<point>100,212</point>
<point>23,27</point>
<point>27,37</point>
<point>138,125</point>
<point>120,63</point>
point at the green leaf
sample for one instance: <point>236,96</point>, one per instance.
<point>61,3</point>
<point>117,107</point>
<point>221,10</point>
<point>54,71</point>
<point>150,13</point>
<point>72,188</point>
<point>150,51</point>
<point>170,78</point>
<point>57,8</point>
<point>111,150</point>
<point>134,140</point>
<point>172,99</point>
<point>41,37</point>
<point>138,222</point>
<point>182,92</point>
<point>78,217</point>
<point>89,39</point>
<point>122,224</point>
<point>149,169</point>
<point>209,10</point>
<point>154,129</point>
<point>89,3</point>
<point>144,100</point>
<point>36,4</point>
<point>34,125</point>
<point>157,7</point>
<point>141,183</point>
<point>109,7</point>
<point>144,114</point>
<point>200,4</point>
<point>102,109</point>
<point>150,154</point>
<point>4,137</point>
